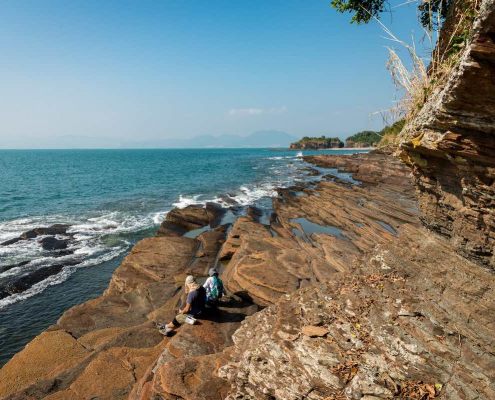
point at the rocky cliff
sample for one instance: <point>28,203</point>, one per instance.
<point>451,149</point>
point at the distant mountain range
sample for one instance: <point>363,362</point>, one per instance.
<point>256,139</point>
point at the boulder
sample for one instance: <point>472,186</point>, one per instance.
<point>19,285</point>
<point>51,244</point>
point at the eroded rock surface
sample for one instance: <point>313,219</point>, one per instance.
<point>415,320</point>
<point>450,147</point>
<point>319,232</point>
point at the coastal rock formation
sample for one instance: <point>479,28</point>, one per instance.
<point>318,232</point>
<point>414,320</point>
<point>57,229</point>
<point>376,167</point>
<point>102,348</point>
<point>450,147</point>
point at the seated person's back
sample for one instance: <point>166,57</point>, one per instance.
<point>197,299</point>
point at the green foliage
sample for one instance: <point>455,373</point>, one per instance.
<point>365,10</point>
<point>429,12</point>
<point>389,133</point>
<point>368,137</point>
<point>321,139</point>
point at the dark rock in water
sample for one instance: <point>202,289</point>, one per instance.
<point>215,213</point>
<point>11,241</point>
<point>22,284</point>
<point>8,267</point>
<point>57,229</point>
<point>62,253</point>
<point>51,243</point>
<point>228,198</point>
<point>311,171</point>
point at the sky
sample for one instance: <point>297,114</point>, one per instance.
<point>149,70</point>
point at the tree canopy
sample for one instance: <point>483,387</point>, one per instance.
<point>365,10</point>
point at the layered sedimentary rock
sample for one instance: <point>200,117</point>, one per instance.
<point>451,148</point>
<point>415,320</point>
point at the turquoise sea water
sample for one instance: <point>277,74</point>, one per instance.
<point>111,199</point>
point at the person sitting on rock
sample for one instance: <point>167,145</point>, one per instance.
<point>195,304</point>
<point>214,288</point>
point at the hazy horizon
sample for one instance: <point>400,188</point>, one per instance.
<point>119,71</point>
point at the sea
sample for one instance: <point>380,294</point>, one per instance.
<point>112,199</point>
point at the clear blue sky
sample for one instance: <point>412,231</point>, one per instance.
<point>177,69</point>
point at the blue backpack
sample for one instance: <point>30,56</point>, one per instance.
<point>217,290</point>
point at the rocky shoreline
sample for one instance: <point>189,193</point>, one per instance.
<point>328,288</point>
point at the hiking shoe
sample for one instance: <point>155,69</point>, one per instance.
<point>160,325</point>
<point>166,331</point>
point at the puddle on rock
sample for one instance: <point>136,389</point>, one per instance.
<point>359,224</point>
<point>196,232</point>
<point>310,228</point>
<point>222,266</point>
<point>387,227</point>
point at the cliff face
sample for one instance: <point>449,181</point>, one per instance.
<point>451,149</point>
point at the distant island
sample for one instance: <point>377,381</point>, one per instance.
<point>313,143</point>
<point>364,139</point>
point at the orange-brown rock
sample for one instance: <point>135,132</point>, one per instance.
<point>317,234</point>
<point>182,220</point>
<point>415,318</point>
<point>102,348</point>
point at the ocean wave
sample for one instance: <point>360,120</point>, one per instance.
<point>104,256</point>
<point>93,240</point>
<point>285,157</point>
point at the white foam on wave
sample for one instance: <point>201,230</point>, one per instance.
<point>185,201</point>
<point>95,240</point>
<point>62,276</point>
<point>285,157</point>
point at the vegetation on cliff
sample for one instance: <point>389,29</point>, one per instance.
<point>390,133</point>
<point>447,27</point>
<point>366,138</point>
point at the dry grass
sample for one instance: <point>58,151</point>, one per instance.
<point>418,77</point>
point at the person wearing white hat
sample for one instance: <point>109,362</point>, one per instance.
<point>195,304</point>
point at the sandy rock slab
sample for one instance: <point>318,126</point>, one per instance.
<point>185,368</point>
